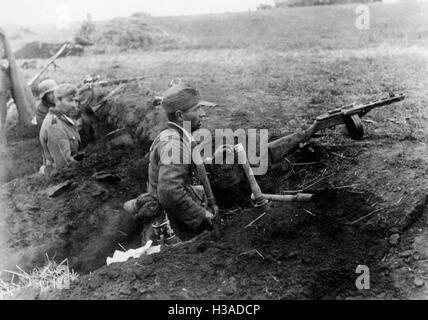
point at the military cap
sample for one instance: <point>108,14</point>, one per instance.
<point>65,90</point>
<point>182,97</point>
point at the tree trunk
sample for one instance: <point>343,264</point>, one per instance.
<point>20,90</point>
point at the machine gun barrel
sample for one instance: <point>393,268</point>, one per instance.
<point>341,115</point>
<point>349,115</point>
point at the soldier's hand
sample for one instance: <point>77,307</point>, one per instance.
<point>209,217</point>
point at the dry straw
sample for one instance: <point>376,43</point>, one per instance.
<point>50,276</point>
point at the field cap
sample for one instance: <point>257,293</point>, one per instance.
<point>65,90</point>
<point>182,97</point>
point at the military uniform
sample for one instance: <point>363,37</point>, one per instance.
<point>60,139</point>
<point>42,110</point>
<point>172,183</point>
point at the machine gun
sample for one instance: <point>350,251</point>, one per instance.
<point>349,115</point>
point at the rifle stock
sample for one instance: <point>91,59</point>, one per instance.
<point>281,148</point>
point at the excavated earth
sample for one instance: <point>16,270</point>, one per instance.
<point>370,200</point>
<point>295,251</point>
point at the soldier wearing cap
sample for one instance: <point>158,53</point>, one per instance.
<point>171,181</point>
<point>47,99</point>
<point>59,134</point>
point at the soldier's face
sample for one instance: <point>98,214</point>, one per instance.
<point>50,97</point>
<point>68,105</point>
<point>195,115</point>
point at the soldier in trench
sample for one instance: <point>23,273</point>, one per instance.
<point>59,134</point>
<point>46,90</point>
<point>171,195</point>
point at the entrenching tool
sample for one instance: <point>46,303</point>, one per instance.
<point>259,198</point>
<point>286,197</point>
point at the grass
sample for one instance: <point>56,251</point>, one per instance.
<point>309,28</point>
<point>51,276</point>
<point>282,67</point>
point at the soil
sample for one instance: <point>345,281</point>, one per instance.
<point>295,251</point>
<point>289,254</point>
<point>370,203</point>
<point>83,223</point>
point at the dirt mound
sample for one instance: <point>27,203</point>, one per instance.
<point>43,50</point>
<point>84,223</point>
<point>123,34</point>
<point>254,262</point>
<point>131,108</point>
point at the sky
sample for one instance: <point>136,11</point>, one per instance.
<point>28,12</point>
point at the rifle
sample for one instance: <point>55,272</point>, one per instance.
<point>349,115</point>
<point>50,61</point>
<point>92,81</point>
<point>88,86</point>
<point>202,174</point>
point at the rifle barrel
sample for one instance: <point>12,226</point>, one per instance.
<point>364,108</point>
<point>104,83</point>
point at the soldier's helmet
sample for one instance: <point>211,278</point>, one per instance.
<point>46,86</point>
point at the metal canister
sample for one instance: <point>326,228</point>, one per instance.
<point>164,233</point>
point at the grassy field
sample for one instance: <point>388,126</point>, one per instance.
<point>325,27</point>
<point>278,69</point>
<point>313,28</point>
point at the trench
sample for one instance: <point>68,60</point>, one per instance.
<point>319,252</point>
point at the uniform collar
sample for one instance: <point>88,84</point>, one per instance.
<point>62,116</point>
